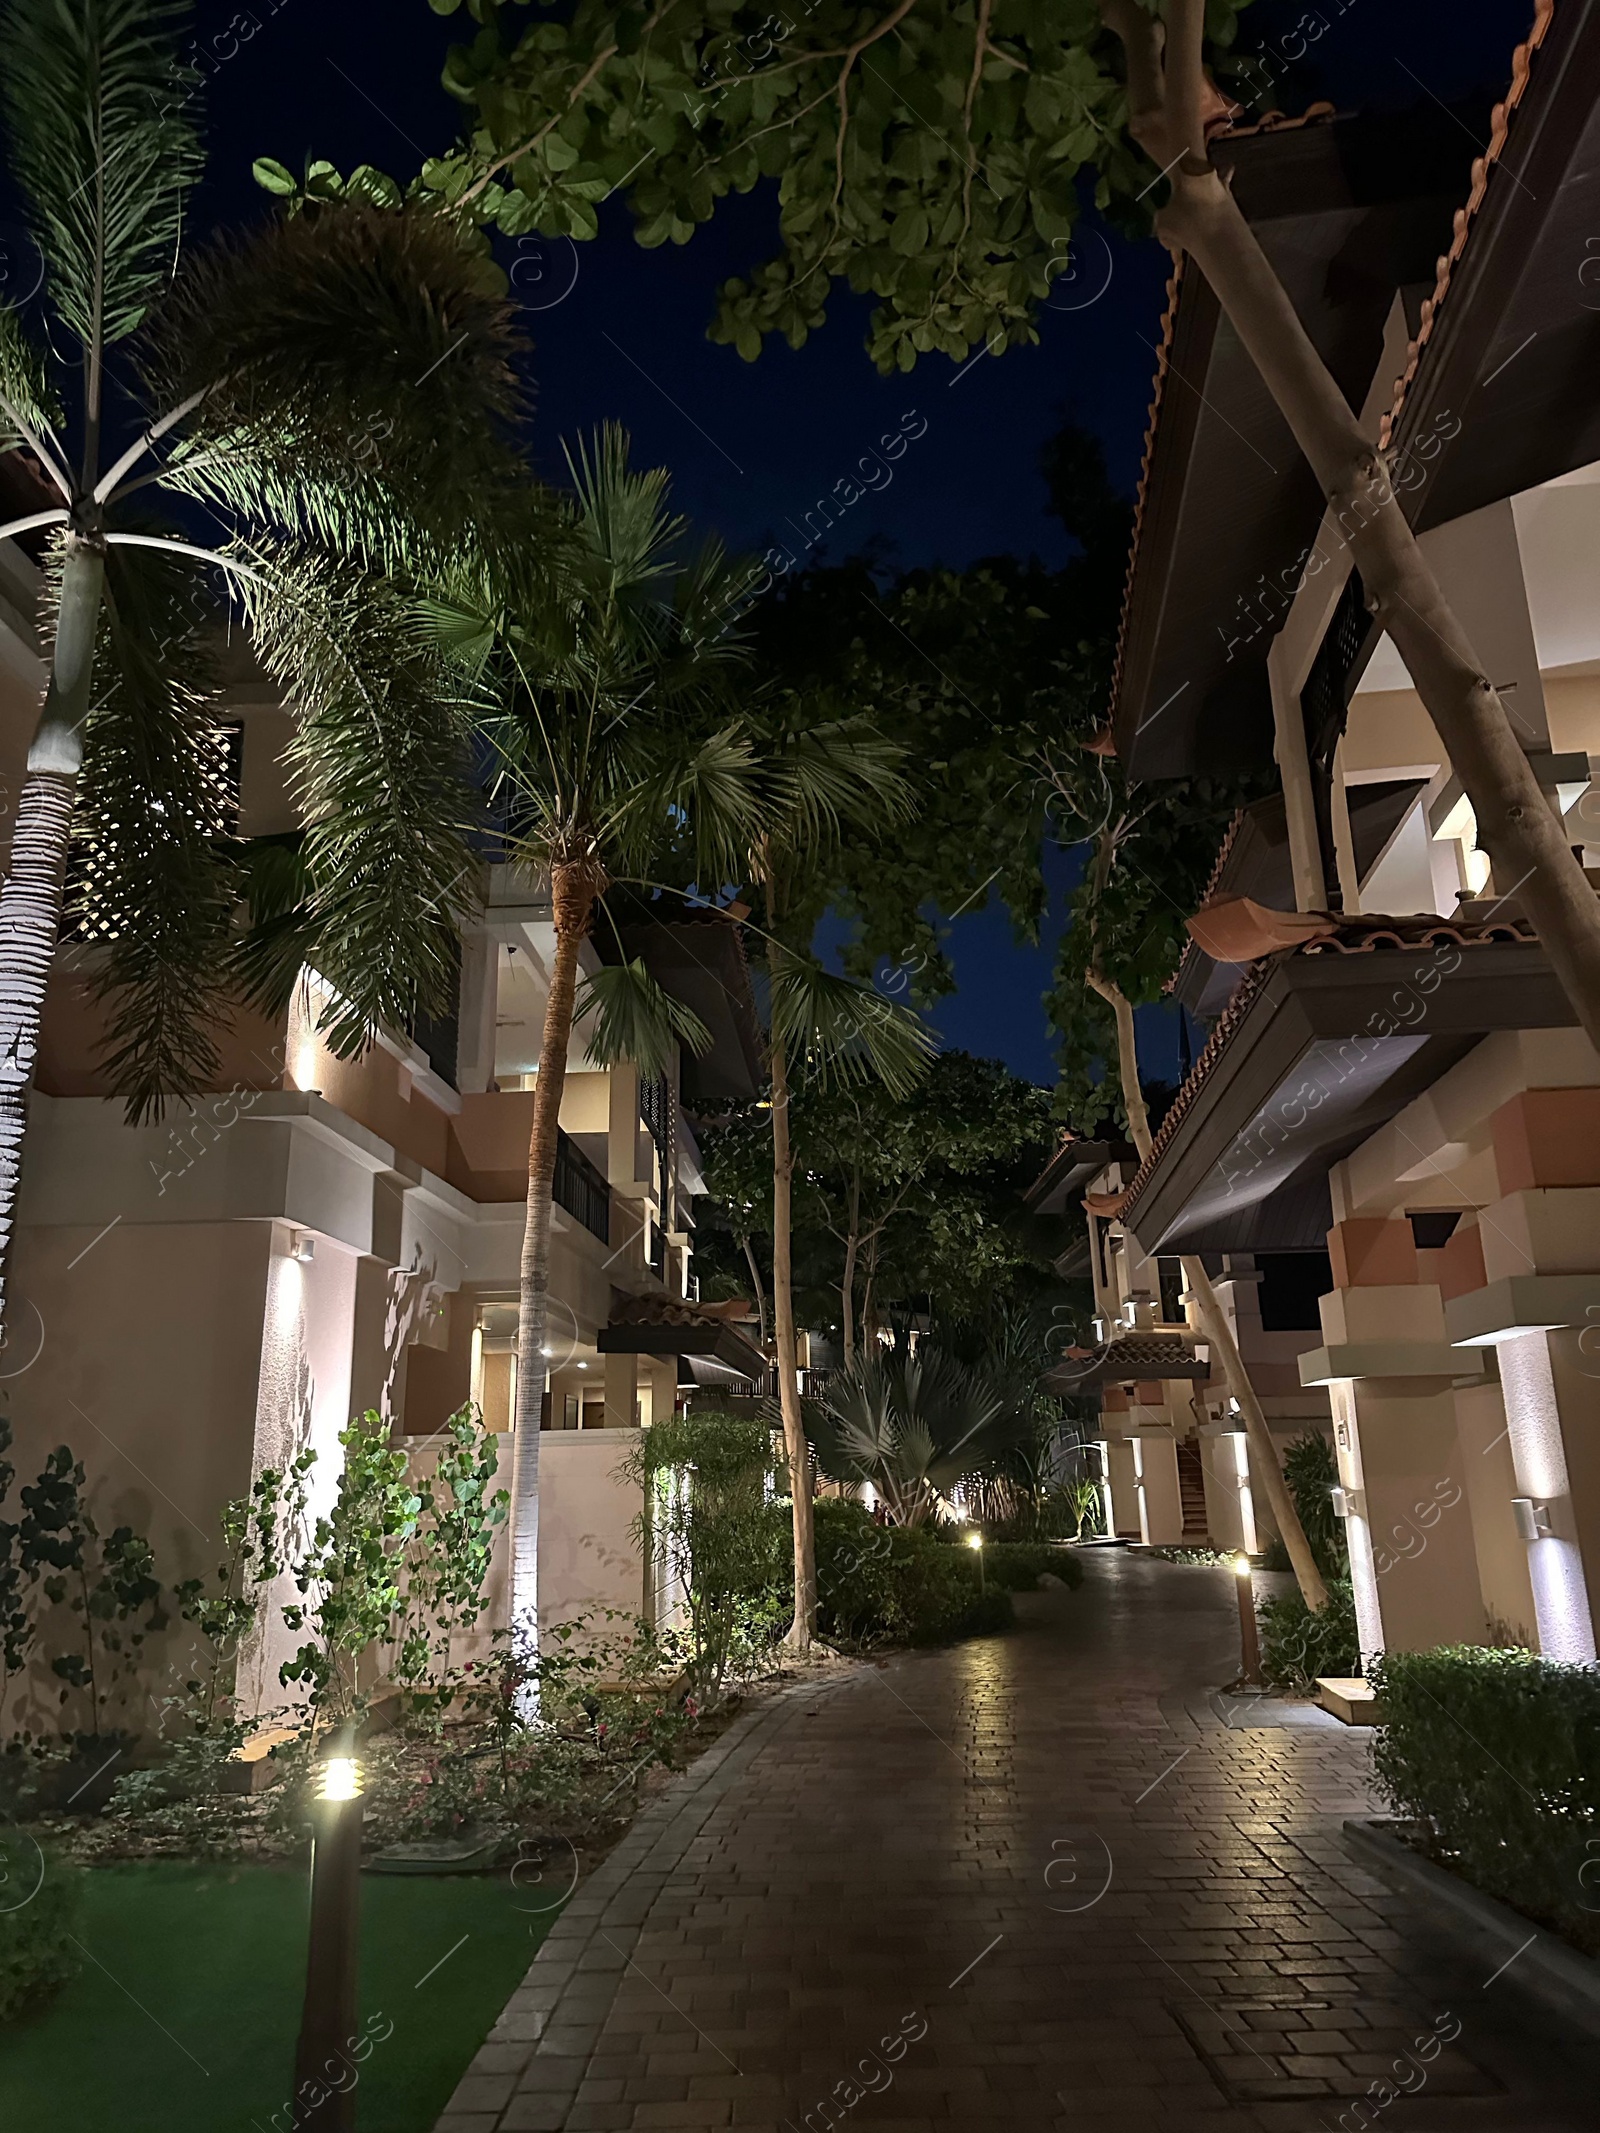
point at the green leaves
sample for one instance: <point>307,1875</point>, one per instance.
<point>379,762</point>
<point>352,377</point>
<point>153,875</point>
<point>103,147</point>
<point>905,168</point>
<point>838,1030</point>
<point>29,407</point>
<point>636,1020</point>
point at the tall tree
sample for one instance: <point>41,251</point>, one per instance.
<point>597,659</point>
<point>934,154</point>
<point>283,383</point>
<point>820,781</point>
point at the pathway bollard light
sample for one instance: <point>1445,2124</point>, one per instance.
<point>324,2074</point>
<point>1249,1635</point>
<point>975,1540</point>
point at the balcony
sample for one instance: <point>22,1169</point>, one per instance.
<point>580,1189</point>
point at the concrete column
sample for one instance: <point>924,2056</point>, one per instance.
<point>1124,1488</point>
<point>1491,1483</point>
<point>1541,1254</point>
<point>1160,1498</point>
<point>1387,1364</point>
<point>622,1390</point>
<point>480,970</point>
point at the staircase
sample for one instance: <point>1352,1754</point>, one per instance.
<point>1192,1491</point>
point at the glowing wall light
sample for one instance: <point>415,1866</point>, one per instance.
<point>1539,1461</point>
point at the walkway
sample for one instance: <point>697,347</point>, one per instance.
<point>1030,1882</point>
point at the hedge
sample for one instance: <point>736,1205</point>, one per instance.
<point>1297,1646</point>
<point>1494,1757</point>
<point>1017,1565</point>
<point>897,1584</point>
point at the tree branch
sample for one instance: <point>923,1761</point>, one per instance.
<point>488,175</point>
<point>1186,81</point>
<point>1140,37</point>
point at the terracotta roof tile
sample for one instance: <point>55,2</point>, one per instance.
<point>1483,166</point>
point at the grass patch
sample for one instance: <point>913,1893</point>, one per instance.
<point>183,2016</point>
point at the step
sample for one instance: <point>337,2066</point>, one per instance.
<point>1348,1697</point>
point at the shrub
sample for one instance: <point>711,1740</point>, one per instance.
<point>1015,1566</point>
<point>36,1951</point>
<point>712,1523</point>
<point>897,1584</point>
<point>1297,1645</point>
<point>1495,1757</point>
<point>1311,1469</point>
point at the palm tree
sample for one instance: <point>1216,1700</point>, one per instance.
<point>323,398</point>
<point>818,782</point>
<point>916,1423</point>
<point>598,653</point>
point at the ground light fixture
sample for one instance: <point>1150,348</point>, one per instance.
<point>975,1540</point>
<point>1249,1636</point>
<point>324,2072</point>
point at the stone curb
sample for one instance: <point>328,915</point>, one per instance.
<point>1567,1981</point>
<point>526,2076</point>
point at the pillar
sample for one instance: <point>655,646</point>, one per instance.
<point>1390,1372</point>
<point>622,1391</point>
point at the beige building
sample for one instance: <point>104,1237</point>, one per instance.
<point>1392,1072</point>
<point>194,1300</point>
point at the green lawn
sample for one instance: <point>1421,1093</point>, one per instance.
<point>183,2018</point>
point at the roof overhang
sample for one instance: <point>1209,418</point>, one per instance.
<point>1508,354</point>
<point>699,959</point>
<point>1348,211</point>
<point>1320,1049</point>
<point>1074,1163</point>
<point>1137,1359</point>
<point>709,1338</point>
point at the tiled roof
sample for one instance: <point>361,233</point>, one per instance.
<point>1224,854</point>
<point>664,1311</point>
<point>1499,129</point>
<point>1169,317</point>
<point>1356,936</point>
<point>1269,122</point>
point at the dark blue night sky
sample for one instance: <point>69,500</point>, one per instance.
<point>620,333</point>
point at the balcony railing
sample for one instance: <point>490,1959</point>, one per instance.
<point>580,1189</point>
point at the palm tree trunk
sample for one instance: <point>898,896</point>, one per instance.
<point>30,901</point>
<point>574,885</point>
<point>1169,102</point>
<point>1214,1321</point>
<point>847,1287</point>
<point>794,1436</point>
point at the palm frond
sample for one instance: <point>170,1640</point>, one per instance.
<point>97,106</point>
<point>842,775</point>
<point>622,511</point>
<point>379,765</point>
<point>29,409</point>
<point>703,794</point>
<point>635,1019</point>
<point>154,874</point>
<point>355,377</point>
<point>842,1031</point>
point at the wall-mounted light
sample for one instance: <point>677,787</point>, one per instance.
<point>1347,1503</point>
<point>1532,1519</point>
<point>304,1248</point>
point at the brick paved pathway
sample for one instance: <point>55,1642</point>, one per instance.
<point>1030,1882</point>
